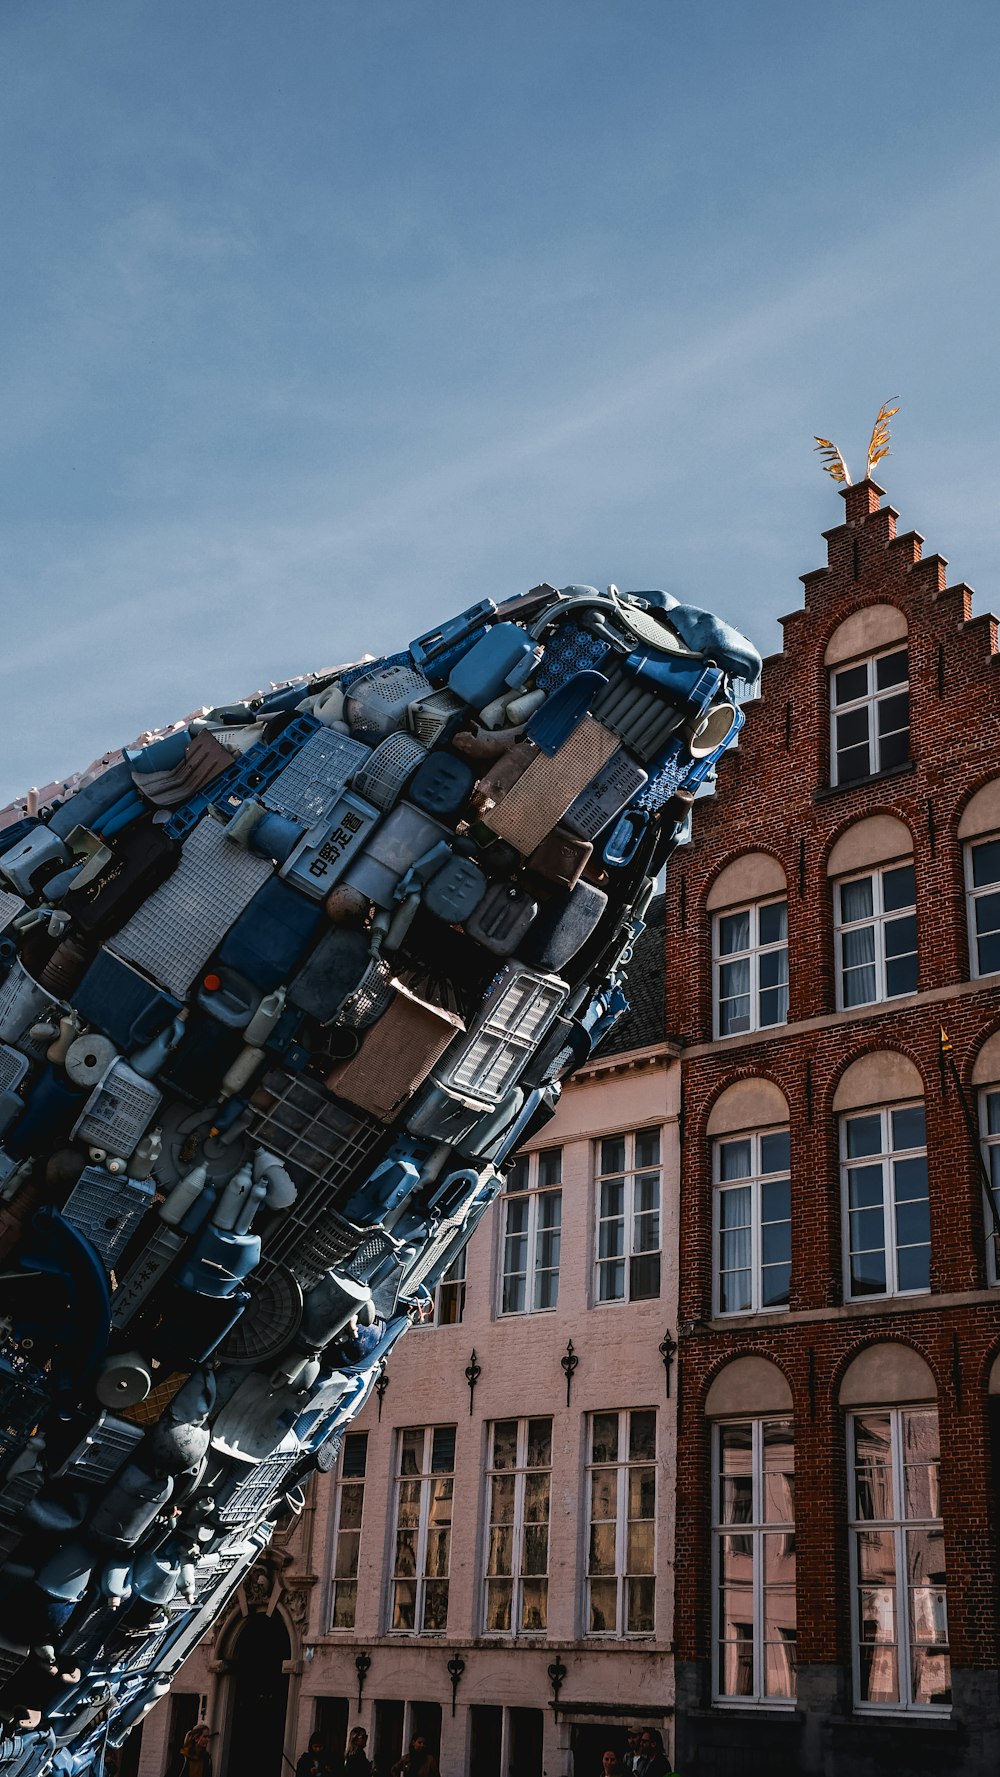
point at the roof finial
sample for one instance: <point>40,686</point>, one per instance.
<point>833,461</point>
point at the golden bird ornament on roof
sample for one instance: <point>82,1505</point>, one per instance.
<point>833,460</point>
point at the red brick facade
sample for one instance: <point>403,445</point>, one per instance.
<point>775,797</point>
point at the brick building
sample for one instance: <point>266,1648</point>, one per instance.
<point>839,1313</point>
<point>501,1517</point>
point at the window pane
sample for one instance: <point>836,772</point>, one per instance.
<point>639,1606</point>
<point>898,888</point>
<point>539,1443</point>
<point>986,863</point>
<point>641,1500</point>
<point>864,1136</point>
<point>734,1159</point>
<point>850,682</point>
<point>891,669</point>
<point>604,1439</point>
<point>603,1542</point>
<point>774,922</point>
<point>644,1277</point>
<point>550,1167</point>
<point>603,1607</point>
<point>604,1496</point>
<point>857,899</point>
<point>640,1547</point>
<point>908,1127</point>
<point>505,1443</point>
<point>498,1603</point>
<point>517,1177</point>
<point>774,1152</point>
<point>613,1154</point>
<point>642,1437</point>
<point>734,932</point>
<point>534,1605</point>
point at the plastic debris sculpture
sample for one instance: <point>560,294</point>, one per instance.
<point>280,995</point>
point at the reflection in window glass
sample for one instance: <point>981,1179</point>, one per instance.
<point>424,1493</point>
<point>754,1535</point>
<point>519,1487</point>
<point>621,1551</point>
<point>900,1616</point>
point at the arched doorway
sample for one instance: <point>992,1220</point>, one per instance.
<point>258,1698</point>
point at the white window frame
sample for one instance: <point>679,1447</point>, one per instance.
<point>869,701</point>
<point>899,1524</point>
<point>623,1465</point>
<point>990,1147</point>
<point>972,896</point>
<point>754,1182</point>
<point>878,920</point>
<point>529,1197</point>
<point>885,1158</point>
<point>755,1532</point>
<point>347,1484</point>
<point>519,1473</point>
<point>427,1477</point>
<point>752,954</point>
<point>631,1251</point>
<point>451,1286</point>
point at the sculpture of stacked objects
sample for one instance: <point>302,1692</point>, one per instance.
<point>280,995</point>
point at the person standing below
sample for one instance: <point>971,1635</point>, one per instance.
<point>194,1758</point>
<point>356,1760</point>
<point>653,1761</point>
<point>611,1766</point>
<point>315,1763</point>
<point>633,1736</point>
<point>419,1761</point>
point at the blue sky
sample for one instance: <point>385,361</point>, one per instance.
<point>322,318</point>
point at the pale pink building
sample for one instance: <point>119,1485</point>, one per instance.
<point>491,1560</point>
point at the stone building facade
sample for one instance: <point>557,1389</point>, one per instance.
<point>839,1311</point>
<point>491,1561</point>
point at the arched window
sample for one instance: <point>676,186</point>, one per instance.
<point>753,1519</point>
<point>874,912</point>
<point>752,1198</point>
<point>748,903</point>
<point>883,1161</point>
<point>869,694</point>
<point>979,832</point>
<point>899,1614</point>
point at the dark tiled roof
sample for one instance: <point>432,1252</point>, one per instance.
<point>646,1022</point>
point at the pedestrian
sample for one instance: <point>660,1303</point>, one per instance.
<point>611,1767</point>
<point>419,1760</point>
<point>653,1761</point>
<point>356,1761</point>
<point>315,1763</point>
<point>632,1738</point>
<point>194,1758</point>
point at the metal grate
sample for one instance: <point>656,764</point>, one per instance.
<point>104,1450</point>
<point>118,1111</point>
<point>251,1495</point>
<point>317,777</point>
<point>324,1147</point>
<point>176,929</point>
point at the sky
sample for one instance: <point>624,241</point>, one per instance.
<point>322,319</point>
